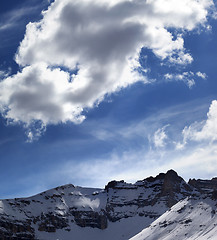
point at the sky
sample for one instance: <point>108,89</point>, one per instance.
<point>97,90</point>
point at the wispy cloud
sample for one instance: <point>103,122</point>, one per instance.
<point>13,18</point>
<point>132,165</point>
<point>160,137</point>
<point>194,158</point>
<point>4,74</point>
<point>187,77</point>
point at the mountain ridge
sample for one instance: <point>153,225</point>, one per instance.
<point>70,210</point>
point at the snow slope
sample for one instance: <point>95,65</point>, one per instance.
<point>188,219</point>
<point>120,230</point>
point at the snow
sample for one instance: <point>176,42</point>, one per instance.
<point>86,203</point>
<point>188,219</point>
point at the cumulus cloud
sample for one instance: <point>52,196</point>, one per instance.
<point>38,93</point>
<point>205,130</point>
<point>83,50</point>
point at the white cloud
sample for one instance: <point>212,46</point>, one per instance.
<point>5,73</point>
<point>83,50</point>
<point>187,77</point>
<point>197,161</point>
<point>38,93</point>
<point>205,130</point>
<point>35,130</point>
<point>160,136</point>
<point>201,75</point>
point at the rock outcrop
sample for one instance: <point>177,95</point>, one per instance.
<point>204,185</point>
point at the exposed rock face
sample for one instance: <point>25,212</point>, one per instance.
<point>50,222</point>
<point>164,190</point>
<point>90,219</point>
<point>61,207</point>
<point>174,185</point>
<point>14,229</point>
<point>204,185</point>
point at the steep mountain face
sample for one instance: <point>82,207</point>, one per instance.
<point>118,212</point>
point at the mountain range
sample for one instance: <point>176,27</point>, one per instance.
<point>157,208</point>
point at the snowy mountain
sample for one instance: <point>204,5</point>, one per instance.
<point>161,207</point>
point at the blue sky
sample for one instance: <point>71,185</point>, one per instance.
<point>93,91</point>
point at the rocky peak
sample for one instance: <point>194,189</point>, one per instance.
<point>173,185</point>
<point>170,175</point>
<point>113,184</point>
<point>172,182</point>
